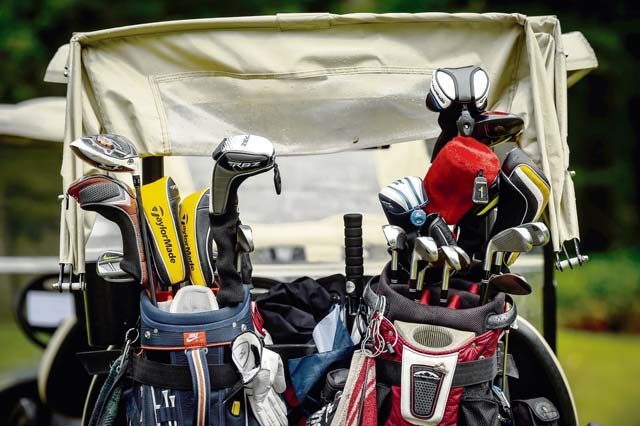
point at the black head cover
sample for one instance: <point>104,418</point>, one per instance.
<point>458,86</point>
<point>524,192</point>
<point>237,158</point>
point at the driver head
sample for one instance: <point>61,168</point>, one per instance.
<point>237,158</point>
<point>109,152</point>
<point>245,238</point>
<point>396,237</point>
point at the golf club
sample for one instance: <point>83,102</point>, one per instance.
<point>510,240</point>
<point>431,255</point>
<point>493,128</point>
<point>539,237</point>
<point>116,202</point>
<point>116,153</point>
<point>451,260</point>
<point>425,250</point>
<point>509,283</point>
<point>396,240</point>
<point>236,159</point>
<point>244,247</point>
<point>108,267</point>
<point>403,201</point>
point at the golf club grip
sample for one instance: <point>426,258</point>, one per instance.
<point>354,262</point>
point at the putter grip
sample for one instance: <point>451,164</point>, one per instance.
<point>354,267</point>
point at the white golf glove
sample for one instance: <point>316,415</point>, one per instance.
<point>263,377</point>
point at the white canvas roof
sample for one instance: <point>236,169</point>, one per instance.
<point>312,83</point>
<point>38,119</point>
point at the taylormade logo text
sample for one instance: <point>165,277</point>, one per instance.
<point>184,220</point>
<point>158,214</point>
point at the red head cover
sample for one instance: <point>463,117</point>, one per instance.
<point>450,179</point>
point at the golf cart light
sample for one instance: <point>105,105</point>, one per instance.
<point>418,217</point>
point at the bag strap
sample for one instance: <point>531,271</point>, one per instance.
<point>466,374</point>
<point>153,373</point>
<point>198,367</point>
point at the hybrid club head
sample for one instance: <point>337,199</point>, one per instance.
<point>510,284</point>
<point>109,152</point>
<point>108,267</point>
<point>236,159</point>
<point>403,202</point>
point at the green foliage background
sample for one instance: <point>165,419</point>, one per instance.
<point>605,148</point>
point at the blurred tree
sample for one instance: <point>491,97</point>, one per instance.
<point>605,149</point>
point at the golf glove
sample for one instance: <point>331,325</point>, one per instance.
<point>263,377</point>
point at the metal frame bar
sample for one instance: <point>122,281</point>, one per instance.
<point>549,299</point>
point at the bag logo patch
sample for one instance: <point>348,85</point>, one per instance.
<point>425,387</point>
<point>195,339</point>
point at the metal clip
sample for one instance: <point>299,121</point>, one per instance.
<point>578,260</point>
<point>69,285</point>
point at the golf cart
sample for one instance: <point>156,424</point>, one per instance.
<point>184,102</point>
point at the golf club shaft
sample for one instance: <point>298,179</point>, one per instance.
<point>444,292</point>
<point>394,267</point>
<point>145,240</point>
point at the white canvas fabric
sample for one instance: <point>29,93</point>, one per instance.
<point>312,83</point>
<point>40,119</point>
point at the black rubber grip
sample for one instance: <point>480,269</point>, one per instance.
<point>354,270</point>
<point>354,261</point>
<point>353,251</point>
<point>353,232</point>
<point>353,220</point>
<point>353,242</point>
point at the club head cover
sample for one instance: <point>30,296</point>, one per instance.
<point>117,203</point>
<point>457,86</point>
<point>449,182</point>
<point>403,202</point>
<point>524,194</point>
<point>161,204</point>
<point>493,127</point>
<point>197,238</point>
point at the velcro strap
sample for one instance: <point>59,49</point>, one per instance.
<point>166,376</point>
<point>467,373</point>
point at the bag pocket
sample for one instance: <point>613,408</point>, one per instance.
<point>479,406</point>
<point>534,412</point>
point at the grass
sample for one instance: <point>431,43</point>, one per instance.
<point>603,372</point>
<point>16,351</point>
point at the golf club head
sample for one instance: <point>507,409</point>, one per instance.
<point>403,201</point>
<point>513,240</point>
<point>510,284</point>
<point>539,233</point>
<point>396,237</point>
<point>245,239</point>
<point>450,255</point>
<point>465,260</point>
<point>236,159</point>
<point>493,128</point>
<point>109,152</point>
<point>116,202</point>
<point>108,267</point>
<point>426,249</point>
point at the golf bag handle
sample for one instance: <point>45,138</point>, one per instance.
<point>354,267</point>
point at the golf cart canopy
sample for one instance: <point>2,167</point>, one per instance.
<point>311,83</point>
<point>40,119</point>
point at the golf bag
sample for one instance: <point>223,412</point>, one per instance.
<point>437,365</point>
<point>183,373</point>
